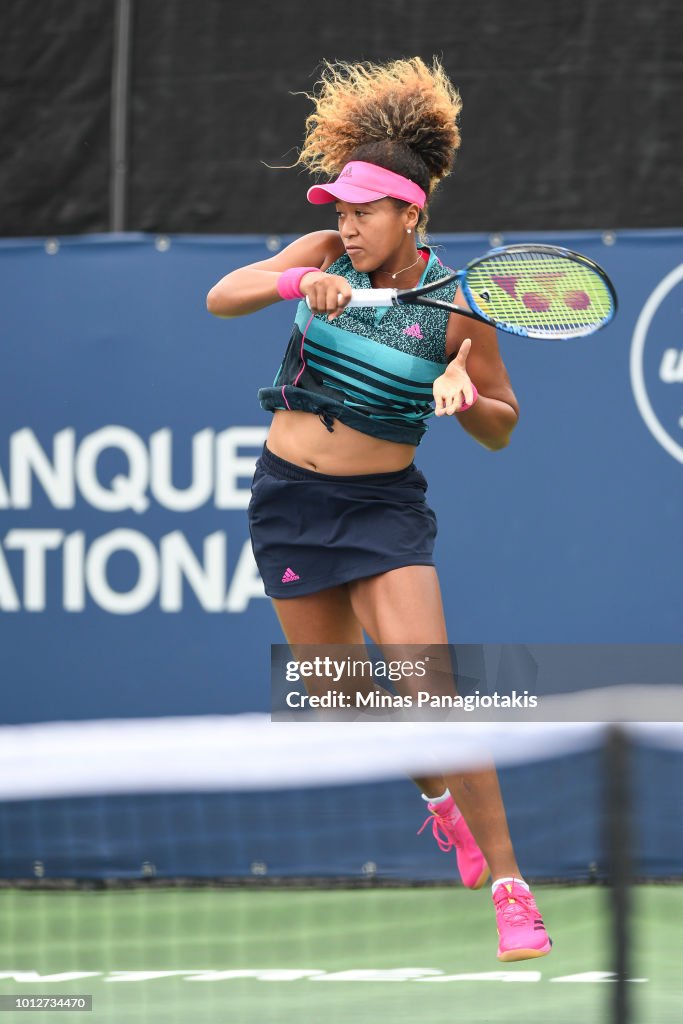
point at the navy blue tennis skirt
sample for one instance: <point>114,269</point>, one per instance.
<point>310,531</point>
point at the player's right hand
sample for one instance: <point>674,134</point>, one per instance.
<point>325,293</point>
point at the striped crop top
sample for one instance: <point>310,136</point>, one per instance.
<point>372,369</point>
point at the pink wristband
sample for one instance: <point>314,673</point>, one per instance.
<point>468,405</point>
<point>289,280</point>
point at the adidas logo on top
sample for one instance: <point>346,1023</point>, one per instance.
<point>414,331</point>
<point>289,576</point>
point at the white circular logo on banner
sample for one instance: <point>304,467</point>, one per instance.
<point>657,363</point>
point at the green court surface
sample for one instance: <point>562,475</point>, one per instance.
<point>359,955</point>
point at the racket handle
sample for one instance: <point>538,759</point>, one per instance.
<point>373,297</point>
<point>370,297</point>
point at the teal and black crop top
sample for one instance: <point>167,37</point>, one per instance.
<point>372,369</point>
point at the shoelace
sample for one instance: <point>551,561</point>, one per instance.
<point>515,909</point>
<point>438,827</point>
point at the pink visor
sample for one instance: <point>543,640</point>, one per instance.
<point>363,183</point>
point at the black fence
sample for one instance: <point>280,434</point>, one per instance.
<point>137,115</point>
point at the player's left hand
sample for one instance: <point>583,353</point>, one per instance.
<point>454,387</point>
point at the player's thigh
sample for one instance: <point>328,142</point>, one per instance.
<point>312,623</point>
<point>402,606</point>
<point>326,617</point>
<point>402,611</point>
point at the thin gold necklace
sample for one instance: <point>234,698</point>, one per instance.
<point>394,276</point>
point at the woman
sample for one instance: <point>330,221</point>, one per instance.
<point>341,531</point>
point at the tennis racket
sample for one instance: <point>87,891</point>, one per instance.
<point>537,291</point>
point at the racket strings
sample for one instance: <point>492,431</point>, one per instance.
<point>543,292</point>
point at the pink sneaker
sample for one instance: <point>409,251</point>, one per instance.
<point>450,830</point>
<point>521,932</point>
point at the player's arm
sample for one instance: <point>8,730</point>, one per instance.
<point>254,287</point>
<point>494,415</point>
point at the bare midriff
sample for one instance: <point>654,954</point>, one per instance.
<point>301,438</point>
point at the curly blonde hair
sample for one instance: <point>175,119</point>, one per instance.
<point>401,115</point>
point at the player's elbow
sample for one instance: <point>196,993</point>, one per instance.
<point>216,304</point>
<point>501,437</point>
<point>212,303</point>
<point>495,442</point>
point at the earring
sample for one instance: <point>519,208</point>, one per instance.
<point>409,231</point>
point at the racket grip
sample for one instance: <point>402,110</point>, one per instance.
<point>373,297</point>
<point>370,297</point>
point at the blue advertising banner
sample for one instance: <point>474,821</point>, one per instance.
<point>129,428</point>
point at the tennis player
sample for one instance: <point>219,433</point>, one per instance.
<point>341,531</point>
